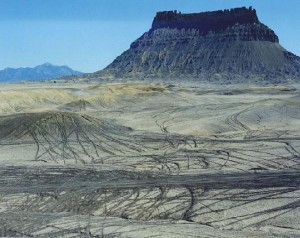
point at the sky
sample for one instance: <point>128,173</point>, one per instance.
<point>87,35</point>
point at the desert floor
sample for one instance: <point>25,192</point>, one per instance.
<point>149,160</point>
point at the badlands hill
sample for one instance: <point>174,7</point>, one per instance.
<point>220,45</point>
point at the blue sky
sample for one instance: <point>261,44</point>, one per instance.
<point>88,34</point>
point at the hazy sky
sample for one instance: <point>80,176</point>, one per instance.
<point>88,34</point>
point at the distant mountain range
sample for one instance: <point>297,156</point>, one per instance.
<point>40,72</point>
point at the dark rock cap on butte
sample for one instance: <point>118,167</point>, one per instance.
<point>205,22</point>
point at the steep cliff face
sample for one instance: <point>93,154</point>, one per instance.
<point>205,22</point>
<point>230,44</point>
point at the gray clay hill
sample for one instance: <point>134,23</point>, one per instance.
<point>228,45</point>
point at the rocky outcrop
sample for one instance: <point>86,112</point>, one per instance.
<point>204,22</point>
<point>230,44</point>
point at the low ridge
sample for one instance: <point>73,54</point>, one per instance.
<point>220,45</point>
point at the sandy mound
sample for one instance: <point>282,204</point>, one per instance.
<point>60,136</point>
